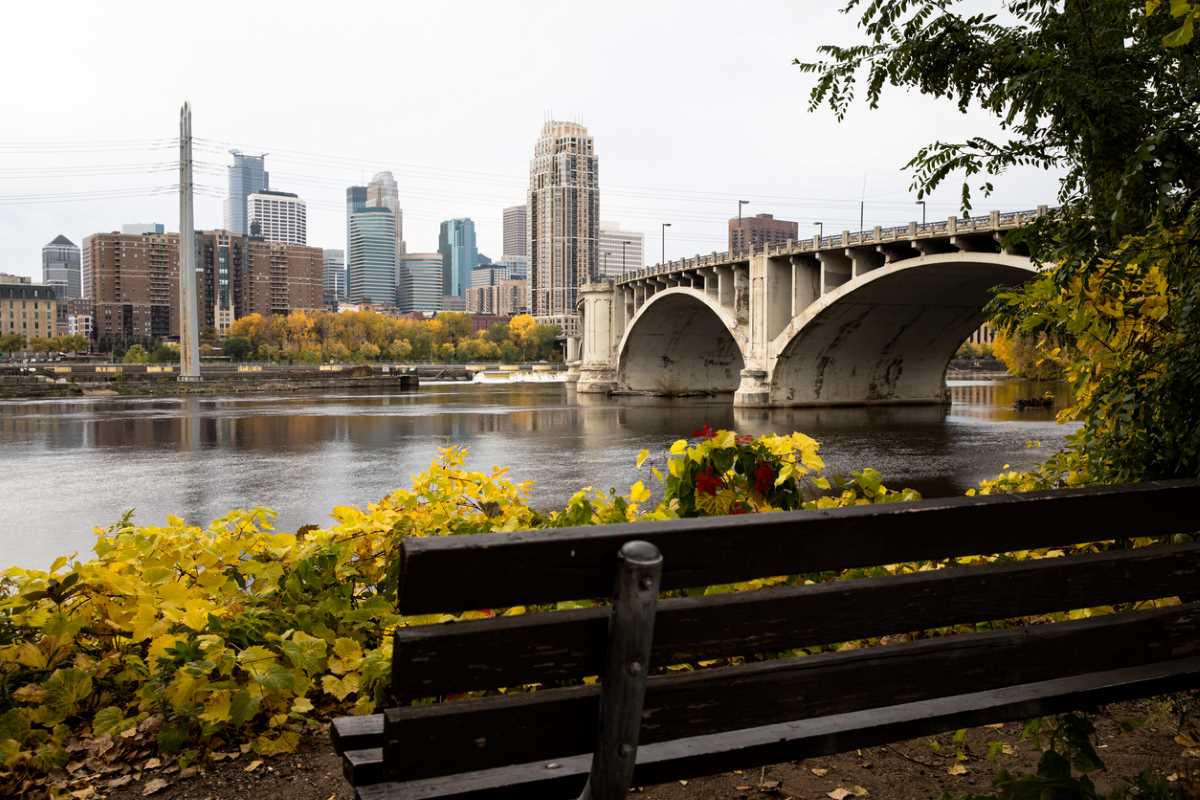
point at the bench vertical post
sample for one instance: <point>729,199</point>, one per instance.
<point>627,662</point>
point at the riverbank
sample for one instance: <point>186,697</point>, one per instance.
<point>66,380</point>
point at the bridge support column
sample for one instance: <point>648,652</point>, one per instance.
<point>572,359</point>
<point>753,389</point>
<point>598,322</point>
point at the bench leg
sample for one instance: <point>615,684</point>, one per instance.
<point>623,688</point>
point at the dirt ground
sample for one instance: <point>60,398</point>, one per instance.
<point>921,768</point>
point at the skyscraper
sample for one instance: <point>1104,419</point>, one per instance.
<point>621,251</point>
<point>564,214</point>
<point>516,231</point>
<point>420,282</point>
<point>277,217</point>
<point>382,192</point>
<point>247,175</point>
<point>60,268</point>
<point>372,272</point>
<point>335,278</point>
<point>356,200</point>
<point>456,243</point>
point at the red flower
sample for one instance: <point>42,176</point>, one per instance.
<point>764,478</point>
<point>745,438</point>
<point>739,508</point>
<point>707,481</point>
<point>704,433</point>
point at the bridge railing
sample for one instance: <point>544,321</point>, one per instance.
<point>994,221</point>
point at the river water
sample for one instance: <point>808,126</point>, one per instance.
<point>68,465</point>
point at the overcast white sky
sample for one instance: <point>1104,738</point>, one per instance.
<point>693,105</point>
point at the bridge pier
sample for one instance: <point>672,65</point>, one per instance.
<point>599,319</point>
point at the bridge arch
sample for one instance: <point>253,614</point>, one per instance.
<point>887,336</point>
<point>681,341</point>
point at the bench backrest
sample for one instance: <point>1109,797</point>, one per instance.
<point>558,650</point>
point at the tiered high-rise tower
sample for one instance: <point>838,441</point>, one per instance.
<point>564,221</point>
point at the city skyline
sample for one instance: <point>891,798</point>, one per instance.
<point>747,133</point>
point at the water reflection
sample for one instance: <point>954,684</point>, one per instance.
<point>71,464</point>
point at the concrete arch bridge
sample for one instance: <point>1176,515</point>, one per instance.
<point>857,319</point>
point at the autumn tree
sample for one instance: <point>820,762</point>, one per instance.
<point>1107,92</point>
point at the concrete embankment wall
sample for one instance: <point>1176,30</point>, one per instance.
<point>150,380</point>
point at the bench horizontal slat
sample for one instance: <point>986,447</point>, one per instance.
<point>356,733</point>
<point>434,660</point>
<point>481,734</point>
<point>710,754</point>
<point>461,573</point>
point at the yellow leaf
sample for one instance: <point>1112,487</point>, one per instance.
<point>302,705</point>
<point>348,656</point>
<point>216,706</point>
<point>638,493</point>
<point>641,457</point>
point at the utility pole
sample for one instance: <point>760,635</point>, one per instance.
<point>189,329</point>
<point>665,225</point>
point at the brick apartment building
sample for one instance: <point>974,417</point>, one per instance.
<point>753,232</point>
<point>132,281</point>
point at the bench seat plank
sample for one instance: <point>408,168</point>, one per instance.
<point>461,573</point>
<point>711,754</point>
<point>480,734</point>
<point>434,660</point>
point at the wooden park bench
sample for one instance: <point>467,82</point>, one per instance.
<point>646,725</point>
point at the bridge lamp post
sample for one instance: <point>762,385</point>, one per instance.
<point>623,243</point>
<point>665,225</point>
<point>921,203</point>
<point>820,229</point>
<point>605,255</point>
<point>740,204</point>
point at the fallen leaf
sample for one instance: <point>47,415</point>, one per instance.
<point>246,747</point>
<point>1008,749</point>
<point>840,793</point>
<point>117,783</point>
<point>154,786</point>
<point>74,767</point>
<point>860,791</point>
<point>956,769</point>
<point>153,763</point>
<point>820,772</point>
<point>1174,776</point>
<point>253,765</point>
<point>769,786</point>
<point>85,793</point>
<point>188,772</point>
<point>995,725</point>
<point>128,733</point>
<point>743,787</point>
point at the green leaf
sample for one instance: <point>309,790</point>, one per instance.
<point>1182,35</point>
<point>107,721</point>
<point>305,652</point>
<point>14,725</point>
<point>66,689</point>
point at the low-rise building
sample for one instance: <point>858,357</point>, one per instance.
<point>29,310</point>
<point>506,298</point>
